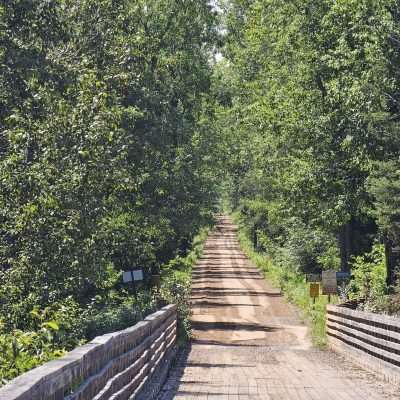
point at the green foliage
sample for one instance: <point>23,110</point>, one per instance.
<point>64,325</point>
<point>290,242</point>
<point>176,289</point>
<point>118,130</point>
<point>329,259</point>
<point>389,304</point>
<point>106,154</point>
<point>384,184</point>
<point>369,275</point>
<point>308,106</point>
<point>176,284</point>
<point>291,283</point>
<point>23,350</point>
<point>119,314</point>
<point>107,159</point>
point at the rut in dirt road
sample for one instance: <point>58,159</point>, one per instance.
<point>249,343</point>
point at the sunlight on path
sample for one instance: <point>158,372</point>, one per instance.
<point>250,344</point>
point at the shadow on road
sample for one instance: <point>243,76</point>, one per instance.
<point>231,326</point>
<point>214,304</point>
<point>212,291</point>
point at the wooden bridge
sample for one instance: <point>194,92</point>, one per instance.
<point>248,343</point>
<point>129,364</point>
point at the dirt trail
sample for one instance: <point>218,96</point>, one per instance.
<point>251,344</point>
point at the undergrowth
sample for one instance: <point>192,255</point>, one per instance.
<point>58,329</point>
<point>176,284</point>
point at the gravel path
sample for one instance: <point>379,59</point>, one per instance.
<point>251,344</point>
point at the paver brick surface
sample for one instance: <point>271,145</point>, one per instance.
<point>249,343</point>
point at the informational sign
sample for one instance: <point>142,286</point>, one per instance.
<point>314,290</point>
<point>313,277</point>
<point>132,276</point>
<point>329,282</point>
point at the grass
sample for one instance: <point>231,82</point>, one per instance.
<point>20,351</point>
<point>293,286</point>
<point>181,267</point>
<point>176,284</point>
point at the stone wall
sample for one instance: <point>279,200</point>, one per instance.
<point>129,364</point>
<point>370,340</point>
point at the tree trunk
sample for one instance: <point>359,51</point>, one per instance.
<point>345,246</point>
<point>390,262</point>
<point>255,241</point>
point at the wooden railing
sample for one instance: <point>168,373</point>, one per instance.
<point>371,340</point>
<point>129,364</point>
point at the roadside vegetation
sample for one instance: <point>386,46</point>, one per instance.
<point>107,163</point>
<point>292,284</point>
<point>123,122</point>
<point>367,285</point>
<point>308,104</point>
<point>61,329</point>
<point>176,283</point>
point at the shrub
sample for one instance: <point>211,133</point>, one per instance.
<point>369,275</point>
<point>21,351</point>
<point>176,284</point>
<point>287,278</point>
<point>176,289</point>
<point>98,320</point>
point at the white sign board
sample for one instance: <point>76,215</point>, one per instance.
<point>329,282</point>
<point>129,276</point>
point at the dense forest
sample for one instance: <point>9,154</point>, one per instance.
<point>105,161</point>
<point>308,98</point>
<point>126,124</point>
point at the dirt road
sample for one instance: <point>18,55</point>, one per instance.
<point>251,344</point>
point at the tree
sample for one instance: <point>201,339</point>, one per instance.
<point>106,156</point>
<point>312,83</point>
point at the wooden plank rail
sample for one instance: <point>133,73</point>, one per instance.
<point>371,340</point>
<point>126,365</point>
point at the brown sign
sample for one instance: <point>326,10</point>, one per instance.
<point>314,290</point>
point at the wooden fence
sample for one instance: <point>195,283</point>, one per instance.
<point>129,364</point>
<point>370,340</point>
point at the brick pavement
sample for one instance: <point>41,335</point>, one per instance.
<point>250,344</point>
